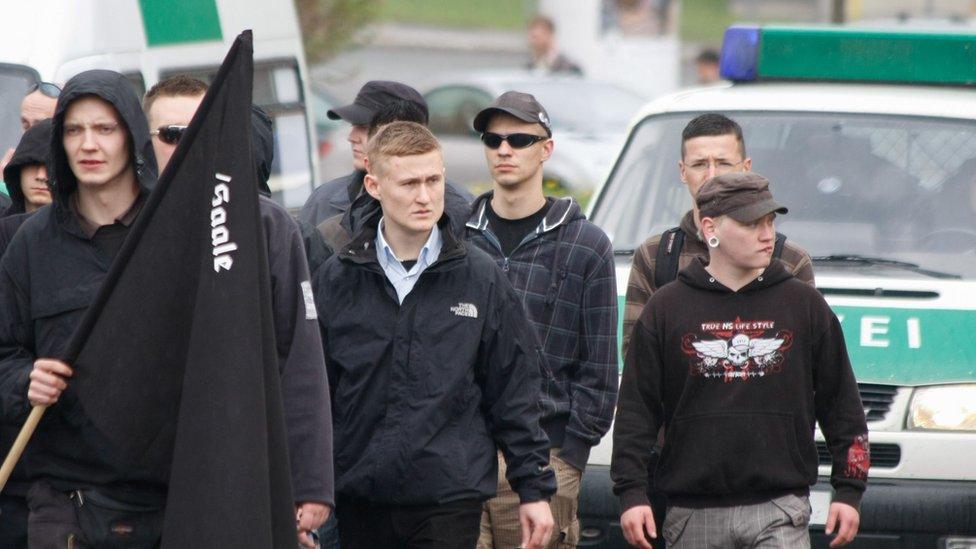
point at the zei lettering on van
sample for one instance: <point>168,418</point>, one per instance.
<point>219,234</point>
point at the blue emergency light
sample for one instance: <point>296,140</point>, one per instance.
<point>751,53</point>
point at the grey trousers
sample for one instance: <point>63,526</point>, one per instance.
<point>779,523</point>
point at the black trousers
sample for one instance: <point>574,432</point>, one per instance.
<point>13,522</point>
<point>365,525</point>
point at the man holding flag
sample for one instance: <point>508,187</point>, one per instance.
<point>144,322</point>
<point>105,170</point>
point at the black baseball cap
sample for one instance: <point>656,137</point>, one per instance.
<point>373,96</point>
<point>520,105</point>
<point>743,196</point>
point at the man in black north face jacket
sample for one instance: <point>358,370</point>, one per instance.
<point>432,366</point>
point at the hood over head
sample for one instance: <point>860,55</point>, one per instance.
<point>115,89</point>
<point>34,148</point>
<point>696,276</point>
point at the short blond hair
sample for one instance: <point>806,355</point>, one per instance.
<point>400,139</point>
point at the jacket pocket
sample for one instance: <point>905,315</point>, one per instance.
<point>732,453</point>
<point>62,300</point>
<point>55,314</point>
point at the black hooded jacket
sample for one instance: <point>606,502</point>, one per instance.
<point>32,149</point>
<point>48,278</point>
<point>424,391</point>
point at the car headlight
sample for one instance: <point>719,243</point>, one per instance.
<point>943,408</point>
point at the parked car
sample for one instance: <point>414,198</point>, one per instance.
<point>589,118</point>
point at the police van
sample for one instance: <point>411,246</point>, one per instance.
<point>869,137</point>
<point>150,40</point>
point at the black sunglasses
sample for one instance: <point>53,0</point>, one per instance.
<point>515,140</point>
<point>47,88</point>
<point>169,134</point>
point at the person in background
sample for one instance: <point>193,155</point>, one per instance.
<point>334,232</point>
<point>30,188</point>
<point>334,197</point>
<point>27,171</point>
<point>38,104</point>
<point>27,174</point>
<point>706,67</point>
<point>545,55</point>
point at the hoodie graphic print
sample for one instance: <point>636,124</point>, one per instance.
<point>737,349</point>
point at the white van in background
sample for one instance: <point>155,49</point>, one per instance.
<point>149,40</point>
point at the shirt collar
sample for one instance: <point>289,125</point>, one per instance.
<point>428,254</point>
<point>89,227</point>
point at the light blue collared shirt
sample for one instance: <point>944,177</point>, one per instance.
<point>403,280</point>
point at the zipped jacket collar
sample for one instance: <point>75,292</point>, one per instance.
<point>361,250</point>
<point>563,211</point>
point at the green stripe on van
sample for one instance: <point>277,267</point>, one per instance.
<point>179,21</point>
<point>910,346</point>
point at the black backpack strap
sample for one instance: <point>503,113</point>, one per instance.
<point>778,247</point>
<point>668,253</point>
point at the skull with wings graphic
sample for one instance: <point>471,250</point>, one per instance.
<point>739,353</point>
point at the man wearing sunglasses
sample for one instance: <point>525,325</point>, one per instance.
<point>170,106</point>
<point>561,266</point>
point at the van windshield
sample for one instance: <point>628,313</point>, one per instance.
<point>14,82</point>
<point>892,188</point>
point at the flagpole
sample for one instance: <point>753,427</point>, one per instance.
<point>13,456</point>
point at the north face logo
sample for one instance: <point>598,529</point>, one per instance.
<point>465,309</point>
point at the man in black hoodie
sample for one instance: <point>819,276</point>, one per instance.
<point>738,360</point>
<point>170,106</point>
<point>104,167</point>
<point>432,367</point>
<point>26,177</point>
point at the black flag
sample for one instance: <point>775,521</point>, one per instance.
<point>176,359</point>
